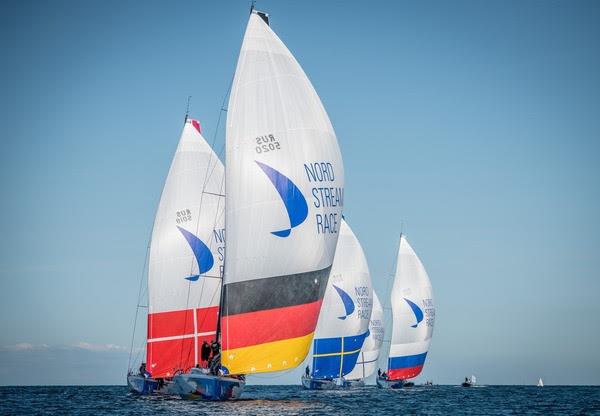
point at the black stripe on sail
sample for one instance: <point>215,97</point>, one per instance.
<point>275,292</point>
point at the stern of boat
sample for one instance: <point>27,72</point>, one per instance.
<point>141,385</point>
<point>196,385</point>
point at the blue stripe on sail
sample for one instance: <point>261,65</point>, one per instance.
<point>328,354</point>
<point>406,361</point>
<point>294,201</point>
<point>326,367</point>
<point>327,345</point>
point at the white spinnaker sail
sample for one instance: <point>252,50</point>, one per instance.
<point>344,319</point>
<point>368,358</point>
<point>285,181</point>
<point>413,315</point>
<point>186,256</point>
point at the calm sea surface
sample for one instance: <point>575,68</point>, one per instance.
<point>293,400</point>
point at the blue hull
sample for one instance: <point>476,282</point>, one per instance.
<point>141,385</point>
<point>195,385</point>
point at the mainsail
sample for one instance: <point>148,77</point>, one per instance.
<point>186,257</point>
<point>344,319</point>
<point>369,354</point>
<point>413,314</point>
<point>284,202</point>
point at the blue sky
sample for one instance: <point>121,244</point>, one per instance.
<point>476,125</point>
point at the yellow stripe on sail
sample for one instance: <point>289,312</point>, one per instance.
<point>270,356</point>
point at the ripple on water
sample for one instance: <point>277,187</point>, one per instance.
<point>293,400</point>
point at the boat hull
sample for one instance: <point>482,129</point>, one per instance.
<point>384,383</point>
<point>318,384</point>
<point>193,386</point>
<point>351,384</point>
<point>142,385</point>
<point>465,384</point>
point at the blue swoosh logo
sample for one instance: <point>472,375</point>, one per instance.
<point>347,301</point>
<point>203,255</point>
<point>417,311</point>
<point>294,201</point>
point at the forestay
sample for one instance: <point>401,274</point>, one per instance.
<point>285,183</point>
<point>369,354</point>
<point>186,256</point>
<point>344,319</point>
<point>413,315</point>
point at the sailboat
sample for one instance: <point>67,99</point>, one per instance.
<point>540,383</point>
<point>413,317</point>
<point>343,321</point>
<point>369,353</point>
<point>185,264</point>
<point>283,213</point>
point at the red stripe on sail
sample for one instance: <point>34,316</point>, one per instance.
<point>207,318</point>
<point>252,328</point>
<point>164,357</point>
<point>404,373</point>
<point>175,323</point>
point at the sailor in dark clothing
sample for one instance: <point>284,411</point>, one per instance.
<point>143,369</point>
<point>215,364</point>
<point>379,372</point>
<point>205,353</point>
<point>215,348</point>
<point>307,371</point>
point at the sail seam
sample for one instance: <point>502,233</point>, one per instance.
<point>176,337</point>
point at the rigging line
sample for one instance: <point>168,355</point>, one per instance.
<point>187,110</point>
<point>208,166</point>
<point>138,302</point>
<point>388,291</point>
<point>212,193</point>
<point>207,176</point>
<point>214,139</point>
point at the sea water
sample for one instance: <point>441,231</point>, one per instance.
<point>293,400</point>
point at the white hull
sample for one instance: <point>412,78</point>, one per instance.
<point>318,384</point>
<point>351,384</point>
<point>384,383</point>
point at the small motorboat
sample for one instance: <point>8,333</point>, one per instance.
<point>469,381</point>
